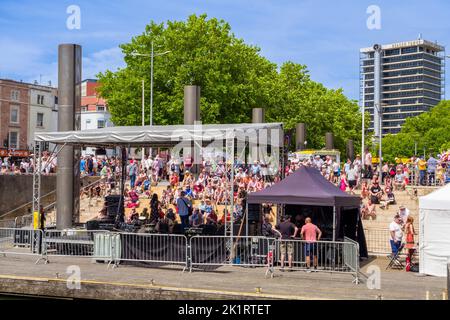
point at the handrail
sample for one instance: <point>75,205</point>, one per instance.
<point>26,204</point>
<point>46,195</point>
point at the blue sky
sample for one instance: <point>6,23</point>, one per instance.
<point>324,35</point>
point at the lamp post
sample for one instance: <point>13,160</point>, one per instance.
<point>380,113</point>
<point>151,55</point>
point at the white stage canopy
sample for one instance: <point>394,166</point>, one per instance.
<point>434,242</point>
<point>168,135</point>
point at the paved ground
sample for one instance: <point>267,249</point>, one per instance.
<point>289,285</point>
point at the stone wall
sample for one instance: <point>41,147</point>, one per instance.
<point>17,190</point>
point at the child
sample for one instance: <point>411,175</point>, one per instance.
<point>343,183</point>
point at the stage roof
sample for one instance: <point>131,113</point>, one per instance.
<point>305,186</point>
<point>163,136</point>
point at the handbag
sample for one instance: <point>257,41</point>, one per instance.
<point>188,206</point>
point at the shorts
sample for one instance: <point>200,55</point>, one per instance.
<point>352,183</point>
<point>311,249</point>
<point>286,245</point>
<point>374,200</point>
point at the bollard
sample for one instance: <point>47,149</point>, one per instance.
<point>427,295</point>
<point>444,295</point>
<point>258,290</point>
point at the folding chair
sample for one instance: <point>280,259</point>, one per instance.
<point>395,259</point>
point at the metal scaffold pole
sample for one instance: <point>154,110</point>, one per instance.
<point>37,177</point>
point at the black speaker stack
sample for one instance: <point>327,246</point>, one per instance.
<point>254,212</point>
<point>115,205</point>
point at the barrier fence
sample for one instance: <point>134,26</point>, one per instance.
<point>21,242</point>
<point>320,256</point>
<point>378,241</point>
<point>171,249</point>
<point>245,252</point>
<point>151,248</point>
<point>73,243</point>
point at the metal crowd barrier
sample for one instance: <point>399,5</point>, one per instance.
<point>7,223</point>
<point>151,248</point>
<point>196,252</point>
<point>74,243</point>
<point>435,178</point>
<point>22,242</point>
<point>330,256</point>
<point>246,251</point>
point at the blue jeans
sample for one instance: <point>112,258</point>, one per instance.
<point>395,246</point>
<point>184,222</point>
<point>132,180</point>
<point>422,177</point>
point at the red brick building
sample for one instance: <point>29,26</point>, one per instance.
<point>14,109</point>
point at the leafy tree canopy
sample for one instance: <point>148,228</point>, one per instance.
<point>429,130</point>
<point>234,78</point>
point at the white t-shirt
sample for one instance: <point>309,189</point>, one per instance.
<point>397,229</point>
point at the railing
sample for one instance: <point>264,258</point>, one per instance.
<point>170,249</point>
<point>22,242</point>
<point>320,256</point>
<point>7,223</point>
<point>152,248</point>
<point>26,204</point>
<point>434,178</point>
<point>212,251</point>
<point>73,243</point>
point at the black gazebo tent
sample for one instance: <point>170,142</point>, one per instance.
<point>306,187</point>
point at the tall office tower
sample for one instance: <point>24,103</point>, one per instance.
<point>400,80</point>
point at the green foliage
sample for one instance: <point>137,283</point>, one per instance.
<point>234,78</point>
<point>430,130</point>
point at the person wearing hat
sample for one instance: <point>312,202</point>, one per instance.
<point>399,180</point>
<point>403,212</point>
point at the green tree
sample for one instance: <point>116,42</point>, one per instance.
<point>430,131</point>
<point>204,52</point>
<point>234,78</point>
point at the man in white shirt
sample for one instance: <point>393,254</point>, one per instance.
<point>396,233</point>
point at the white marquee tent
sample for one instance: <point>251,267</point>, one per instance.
<point>434,242</point>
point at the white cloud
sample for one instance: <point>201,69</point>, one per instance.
<point>100,61</point>
<point>25,62</point>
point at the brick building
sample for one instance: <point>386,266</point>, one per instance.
<point>14,113</point>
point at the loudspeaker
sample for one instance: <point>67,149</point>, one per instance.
<point>254,212</point>
<point>112,205</point>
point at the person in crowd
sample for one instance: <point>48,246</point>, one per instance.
<point>311,234</point>
<point>375,192</point>
<point>399,180</point>
<point>352,176</point>
<point>431,170</point>
<point>410,244</point>
<point>343,184</point>
<point>368,164</point>
<point>396,234</point>
<point>422,166</point>
<point>155,208</point>
<point>288,231</point>
<point>369,210</point>
<point>268,230</point>
<point>388,198</point>
<point>196,219</point>
<point>403,212</point>
<point>184,205</point>
<point>132,171</point>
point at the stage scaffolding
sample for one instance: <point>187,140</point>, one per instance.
<point>197,135</point>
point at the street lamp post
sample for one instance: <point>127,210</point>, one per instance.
<point>152,55</point>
